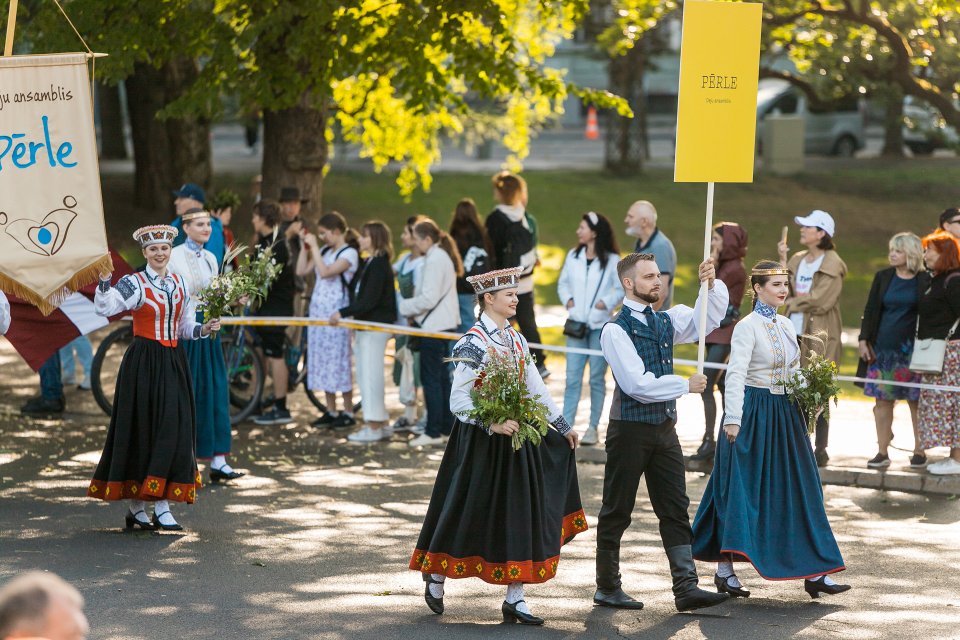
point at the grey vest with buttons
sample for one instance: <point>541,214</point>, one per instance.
<point>654,345</point>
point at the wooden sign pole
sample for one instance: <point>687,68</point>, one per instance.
<point>11,27</point>
<point>707,237</point>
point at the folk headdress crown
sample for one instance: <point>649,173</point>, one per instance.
<point>495,280</point>
<point>155,234</point>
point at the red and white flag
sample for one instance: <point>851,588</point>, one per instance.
<point>36,337</point>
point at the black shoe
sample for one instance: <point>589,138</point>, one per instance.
<point>165,527</point>
<point>724,586</point>
<point>510,614</point>
<point>41,406</point>
<point>616,599</point>
<point>918,461</point>
<point>274,416</point>
<point>324,421</point>
<point>879,461</point>
<point>697,598</point>
<point>706,450</point>
<point>343,421</point>
<point>216,475</point>
<point>816,587</point>
<point>686,594</point>
<point>134,521</point>
<point>435,604</point>
<point>822,457</point>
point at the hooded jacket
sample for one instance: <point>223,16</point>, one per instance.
<point>820,307</point>
<point>731,271</point>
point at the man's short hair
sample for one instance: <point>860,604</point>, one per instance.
<point>648,207</point>
<point>628,262</point>
<point>25,601</point>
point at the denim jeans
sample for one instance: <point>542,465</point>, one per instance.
<point>576,363</point>
<point>84,355</point>
<point>468,318</point>
<point>51,382</point>
<point>435,377</point>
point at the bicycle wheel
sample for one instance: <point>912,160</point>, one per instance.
<point>245,374</point>
<point>106,363</point>
<point>297,365</point>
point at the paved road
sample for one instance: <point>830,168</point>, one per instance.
<point>314,542</point>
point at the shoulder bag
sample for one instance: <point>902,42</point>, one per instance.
<point>575,328</point>
<point>928,354</point>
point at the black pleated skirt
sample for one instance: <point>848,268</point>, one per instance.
<point>498,514</point>
<point>150,452</point>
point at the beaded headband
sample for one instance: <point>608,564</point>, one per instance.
<point>780,271</point>
<point>193,214</point>
<point>496,280</point>
<point>155,234</point>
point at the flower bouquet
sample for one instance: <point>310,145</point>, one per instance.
<point>812,388</point>
<point>251,280</point>
<point>500,393</point>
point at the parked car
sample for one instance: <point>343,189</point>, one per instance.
<point>924,129</point>
<point>840,131</point>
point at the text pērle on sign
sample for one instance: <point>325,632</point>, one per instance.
<point>23,153</point>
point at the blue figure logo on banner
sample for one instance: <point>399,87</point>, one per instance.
<point>46,237</point>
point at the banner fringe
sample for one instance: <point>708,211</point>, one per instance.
<point>50,303</point>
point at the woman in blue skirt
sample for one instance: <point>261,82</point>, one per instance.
<point>764,503</point>
<point>198,266</point>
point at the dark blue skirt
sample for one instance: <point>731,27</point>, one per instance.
<point>764,503</point>
<point>212,396</point>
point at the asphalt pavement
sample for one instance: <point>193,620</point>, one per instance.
<point>314,543</point>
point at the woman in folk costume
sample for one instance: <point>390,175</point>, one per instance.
<point>764,503</point>
<point>498,514</point>
<point>211,393</point>
<point>149,454</point>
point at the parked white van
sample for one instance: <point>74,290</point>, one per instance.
<point>839,132</point>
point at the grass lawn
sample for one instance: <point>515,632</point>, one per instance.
<point>870,200</point>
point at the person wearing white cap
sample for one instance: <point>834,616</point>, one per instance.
<point>814,303</point>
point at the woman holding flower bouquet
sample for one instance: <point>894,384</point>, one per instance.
<point>765,473</point>
<point>506,496</point>
<point>197,267</point>
<point>149,455</point>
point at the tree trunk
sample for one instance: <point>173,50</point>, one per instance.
<point>112,143</point>
<point>295,153</point>
<point>893,122</point>
<point>168,152</point>
<point>625,144</point>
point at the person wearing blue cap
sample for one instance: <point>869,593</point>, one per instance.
<point>192,196</point>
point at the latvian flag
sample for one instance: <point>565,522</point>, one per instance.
<point>36,337</point>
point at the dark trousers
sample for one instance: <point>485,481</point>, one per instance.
<point>717,353</point>
<point>51,378</point>
<point>528,325</point>
<point>822,431</point>
<point>435,378</point>
<point>635,449</point>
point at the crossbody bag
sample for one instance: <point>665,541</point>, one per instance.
<point>928,353</point>
<point>576,328</point>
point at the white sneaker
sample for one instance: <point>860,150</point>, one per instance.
<point>426,441</point>
<point>589,437</point>
<point>367,434</point>
<point>946,467</point>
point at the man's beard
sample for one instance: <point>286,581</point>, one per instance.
<point>649,298</point>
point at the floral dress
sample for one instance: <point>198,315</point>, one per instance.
<point>329,354</point>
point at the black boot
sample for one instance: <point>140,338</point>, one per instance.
<point>686,594</point>
<point>707,448</point>
<point>609,593</point>
<point>40,406</point>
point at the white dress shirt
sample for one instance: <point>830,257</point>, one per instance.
<point>4,314</point>
<point>631,374</point>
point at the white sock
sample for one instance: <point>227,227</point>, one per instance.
<point>220,464</point>
<point>138,505</point>
<point>162,509</point>
<point>410,413</point>
<point>725,569</point>
<point>515,595</point>
<point>436,590</point>
<point>826,580</point>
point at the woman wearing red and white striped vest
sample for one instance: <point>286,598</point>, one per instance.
<point>149,454</point>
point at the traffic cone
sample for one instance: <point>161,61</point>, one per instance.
<point>593,131</point>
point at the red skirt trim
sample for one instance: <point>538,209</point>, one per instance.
<point>739,556</point>
<point>151,488</point>
<point>526,571</point>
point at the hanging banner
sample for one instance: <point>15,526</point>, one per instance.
<point>719,72</point>
<point>52,237</point>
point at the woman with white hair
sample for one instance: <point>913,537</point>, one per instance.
<point>887,332</point>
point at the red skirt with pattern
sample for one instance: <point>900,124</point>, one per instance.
<point>939,411</point>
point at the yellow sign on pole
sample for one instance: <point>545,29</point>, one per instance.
<point>719,71</point>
